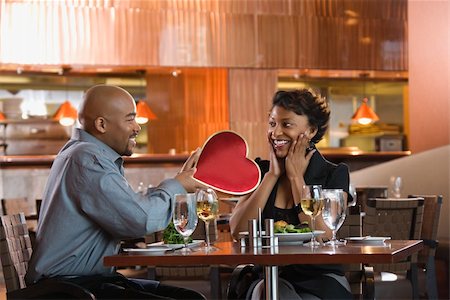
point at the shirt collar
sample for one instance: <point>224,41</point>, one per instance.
<point>81,135</point>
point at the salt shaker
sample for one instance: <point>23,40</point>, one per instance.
<point>269,239</point>
<point>253,233</point>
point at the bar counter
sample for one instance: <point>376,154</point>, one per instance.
<point>356,159</point>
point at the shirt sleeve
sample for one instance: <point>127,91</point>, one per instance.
<point>104,195</point>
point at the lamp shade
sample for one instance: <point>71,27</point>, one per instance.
<point>2,116</point>
<point>66,114</point>
<point>364,114</point>
<point>144,113</point>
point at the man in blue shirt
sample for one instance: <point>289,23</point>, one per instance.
<point>88,206</point>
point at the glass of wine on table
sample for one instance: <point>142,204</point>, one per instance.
<point>207,211</point>
<point>312,204</point>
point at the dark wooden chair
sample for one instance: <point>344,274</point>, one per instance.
<point>367,192</point>
<point>426,259</point>
<point>400,219</point>
<point>15,252</point>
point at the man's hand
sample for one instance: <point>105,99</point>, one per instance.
<point>185,176</point>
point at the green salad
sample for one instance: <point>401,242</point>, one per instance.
<point>283,227</point>
<point>171,235</point>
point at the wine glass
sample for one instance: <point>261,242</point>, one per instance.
<point>312,203</point>
<point>352,192</point>
<point>185,217</point>
<point>333,212</point>
<point>395,186</point>
<point>207,210</point>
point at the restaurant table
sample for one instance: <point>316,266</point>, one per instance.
<point>230,253</point>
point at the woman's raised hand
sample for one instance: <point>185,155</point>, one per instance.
<point>297,160</point>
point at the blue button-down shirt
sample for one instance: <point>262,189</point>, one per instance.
<point>88,207</point>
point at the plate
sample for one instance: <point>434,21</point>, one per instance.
<point>291,238</point>
<point>367,240</point>
<point>195,243</point>
<point>155,250</point>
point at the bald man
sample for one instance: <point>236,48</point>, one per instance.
<point>88,206</point>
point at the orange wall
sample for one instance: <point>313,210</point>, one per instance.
<point>429,55</point>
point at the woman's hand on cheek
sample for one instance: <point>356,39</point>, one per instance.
<point>297,161</point>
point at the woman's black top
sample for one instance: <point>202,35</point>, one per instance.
<point>320,172</point>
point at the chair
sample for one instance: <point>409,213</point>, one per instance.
<point>15,205</point>
<point>401,219</point>
<point>367,192</point>
<point>426,258</point>
<point>15,252</point>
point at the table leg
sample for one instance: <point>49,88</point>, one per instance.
<point>271,273</point>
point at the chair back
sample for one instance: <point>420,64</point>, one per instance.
<point>398,218</point>
<point>431,214</point>
<point>15,250</point>
<point>12,206</point>
<point>365,193</point>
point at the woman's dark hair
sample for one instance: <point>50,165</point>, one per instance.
<point>305,103</point>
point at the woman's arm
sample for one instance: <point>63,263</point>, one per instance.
<point>247,207</point>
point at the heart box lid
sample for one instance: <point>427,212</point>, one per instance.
<point>224,166</point>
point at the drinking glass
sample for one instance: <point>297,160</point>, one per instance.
<point>395,187</point>
<point>352,192</point>
<point>312,204</point>
<point>333,212</point>
<point>185,216</point>
<point>207,210</point>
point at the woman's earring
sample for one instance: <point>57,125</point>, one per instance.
<point>311,146</point>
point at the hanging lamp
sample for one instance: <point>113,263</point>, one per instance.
<point>66,114</point>
<point>364,115</point>
<point>144,113</point>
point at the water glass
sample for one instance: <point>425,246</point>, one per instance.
<point>395,187</point>
<point>185,216</point>
<point>334,212</point>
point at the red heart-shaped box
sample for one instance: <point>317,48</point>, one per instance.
<point>223,164</point>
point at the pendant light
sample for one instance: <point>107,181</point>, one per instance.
<point>144,113</point>
<point>364,115</point>
<point>66,114</point>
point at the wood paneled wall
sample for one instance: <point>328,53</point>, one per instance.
<point>316,34</point>
<point>251,93</point>
<point>189,107</point>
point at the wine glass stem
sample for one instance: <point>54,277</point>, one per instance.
<point>185,239</point>
<point>207,233</point>
<point>333,239</point>
<point>313,228</point>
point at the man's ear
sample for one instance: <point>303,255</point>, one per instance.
<point>100,124</point>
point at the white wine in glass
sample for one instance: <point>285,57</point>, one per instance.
<point>184,216</point>
<point>312,204</point>
<point>207,210</point>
